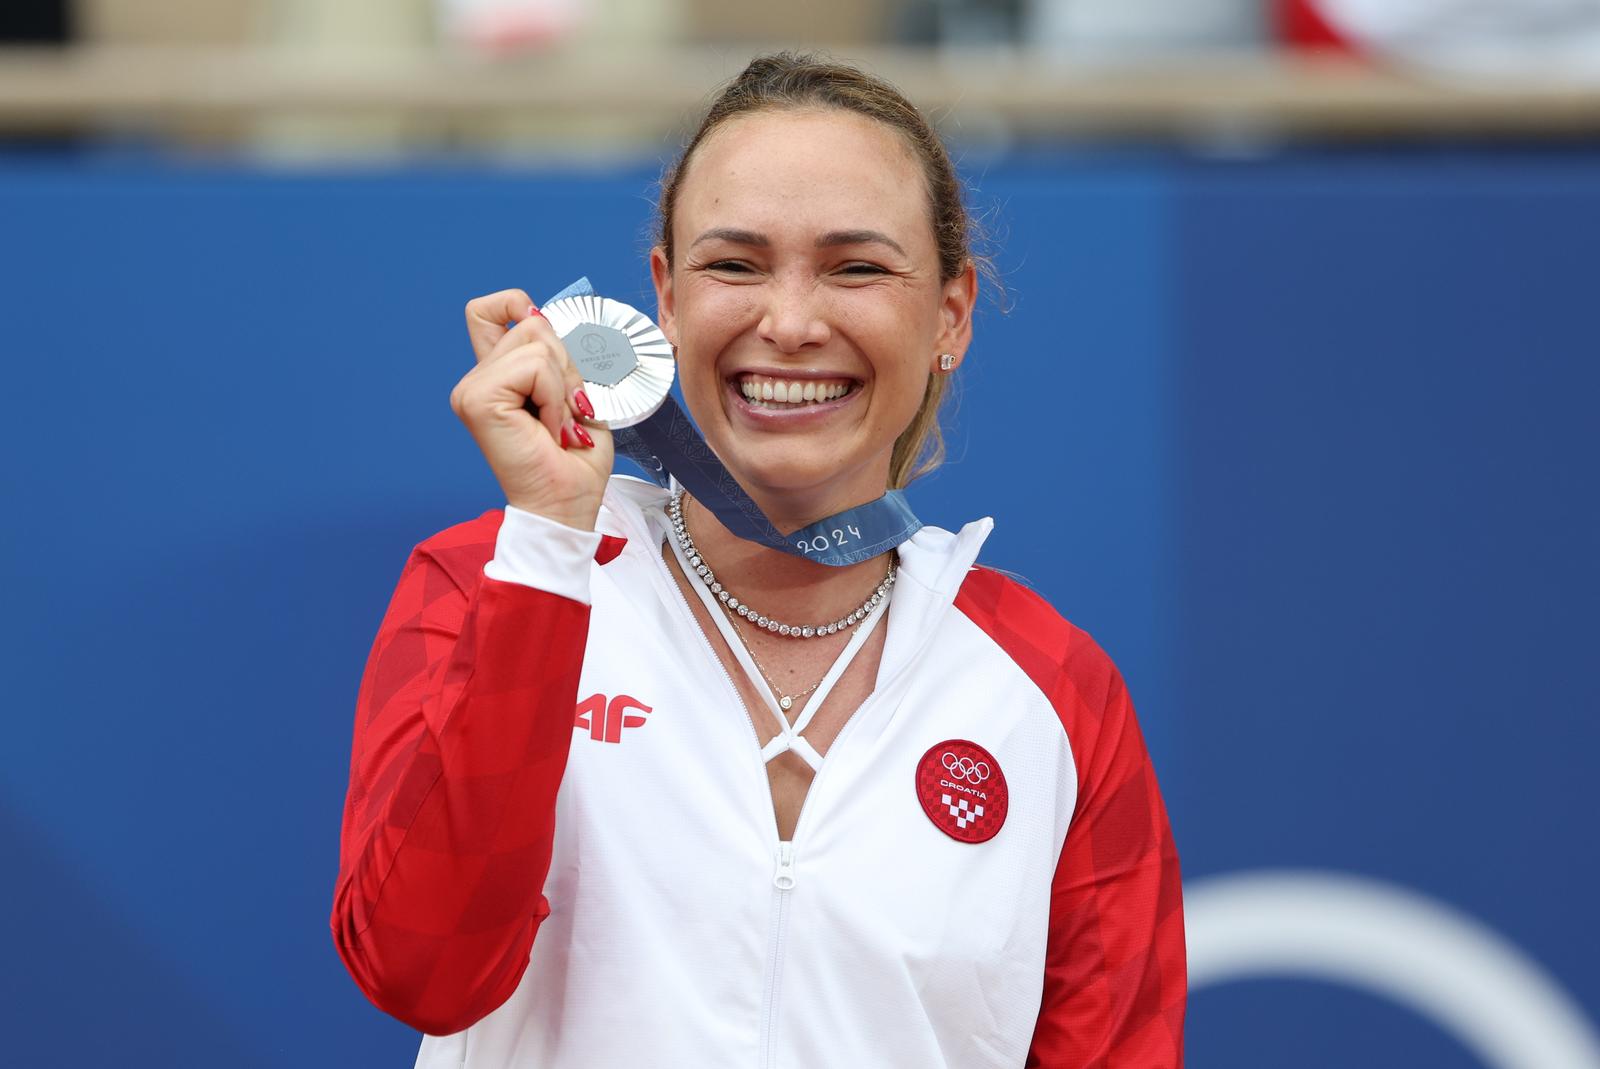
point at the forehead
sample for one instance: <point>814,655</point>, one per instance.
<point>805,172</point>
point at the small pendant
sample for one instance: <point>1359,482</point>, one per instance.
<point>786,703</point>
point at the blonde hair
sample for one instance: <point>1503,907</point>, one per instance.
<point>802,80</point>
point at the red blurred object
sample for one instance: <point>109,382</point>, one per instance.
<point>1302,26</point>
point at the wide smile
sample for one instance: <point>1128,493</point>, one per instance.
<point>785,397</point>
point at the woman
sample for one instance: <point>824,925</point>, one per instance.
<point>942,843</point>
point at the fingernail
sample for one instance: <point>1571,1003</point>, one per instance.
<point>581,399</point>
<point>567,437</point>
<point>533,310</point>
<point>583,436</point>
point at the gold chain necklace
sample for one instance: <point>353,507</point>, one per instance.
<point>785,701</point>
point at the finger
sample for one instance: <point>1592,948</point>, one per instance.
<point>536,371</point>
<point>533,327</point>
<point>537,328</point>
<point>488,315</point>
<point>571,378</point>
<point>577,398</point>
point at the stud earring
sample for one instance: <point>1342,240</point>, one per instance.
<point>946,361</point>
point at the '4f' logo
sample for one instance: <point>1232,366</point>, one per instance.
<point>604,721</point>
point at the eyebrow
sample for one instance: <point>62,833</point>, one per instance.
<point>733,234</point>
<point>858,237</point>
<point>826,241</point>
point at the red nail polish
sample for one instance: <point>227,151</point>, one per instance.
<point>566,434</point>
<point>533,310</point>
<point>583,436</point>
<point>582,400</point>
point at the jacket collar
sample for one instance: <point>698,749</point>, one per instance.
<point>933,564</point>
<point>934,559</point>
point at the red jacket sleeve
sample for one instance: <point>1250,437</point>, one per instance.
<point>462,729</point>
<point>1115,980</point>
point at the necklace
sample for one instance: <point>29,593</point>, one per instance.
<point>734,605</point>
<point>785,701</point>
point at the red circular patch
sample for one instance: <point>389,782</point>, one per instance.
<point>962,790</point>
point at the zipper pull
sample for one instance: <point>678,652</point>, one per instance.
<point>784,878</point>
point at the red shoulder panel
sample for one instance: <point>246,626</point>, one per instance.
<point>1115,983</point>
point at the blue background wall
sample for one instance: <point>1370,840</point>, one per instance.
<point>1307,442</point>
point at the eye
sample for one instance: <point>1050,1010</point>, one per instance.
<point>862,269</point>
<point>731,266</point>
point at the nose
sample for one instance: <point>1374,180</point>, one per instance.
<point>792,320</point>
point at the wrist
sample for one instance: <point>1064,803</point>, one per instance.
<point>540,551</point>
<point>579,516</point>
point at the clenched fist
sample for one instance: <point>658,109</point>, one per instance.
<point>554,463</point>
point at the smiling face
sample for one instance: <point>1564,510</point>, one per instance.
<point>806,303</point>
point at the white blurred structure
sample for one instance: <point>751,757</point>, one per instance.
<point>535,80</point>
<point>1558,40</point>
<point>1119,29</point>
<point>1395,943</point>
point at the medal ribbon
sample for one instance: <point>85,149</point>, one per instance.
<point>667,445</point>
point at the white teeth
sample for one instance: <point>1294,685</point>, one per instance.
<point>771,393</point>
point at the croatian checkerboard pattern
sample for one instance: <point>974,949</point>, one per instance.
<point>956,781</point>
<point>961,813</point>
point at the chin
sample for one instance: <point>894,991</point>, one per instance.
<point>794,470</point>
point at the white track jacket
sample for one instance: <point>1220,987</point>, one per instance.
<point>559,845</point>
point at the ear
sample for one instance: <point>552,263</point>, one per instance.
<point>666,307</point>
<point>957,300</point>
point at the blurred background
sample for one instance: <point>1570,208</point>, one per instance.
<point>1290,402</point>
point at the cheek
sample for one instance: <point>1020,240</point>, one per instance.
<point>908,398</point>
<point>710,309</point>
<point>707,324</point>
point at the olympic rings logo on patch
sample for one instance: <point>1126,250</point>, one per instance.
<point>947,782</point>
<point>974,772</point>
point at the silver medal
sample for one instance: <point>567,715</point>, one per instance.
<point>625,360</point>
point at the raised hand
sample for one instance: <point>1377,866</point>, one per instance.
<point>554,463</point>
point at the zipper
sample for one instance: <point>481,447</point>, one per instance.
<point>783,881</point>
<point>783,878</point>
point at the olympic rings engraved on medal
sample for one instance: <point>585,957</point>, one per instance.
<point>821,543</point>
<point>974,772</point>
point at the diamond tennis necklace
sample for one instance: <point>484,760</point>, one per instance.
<point>734,605</point>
